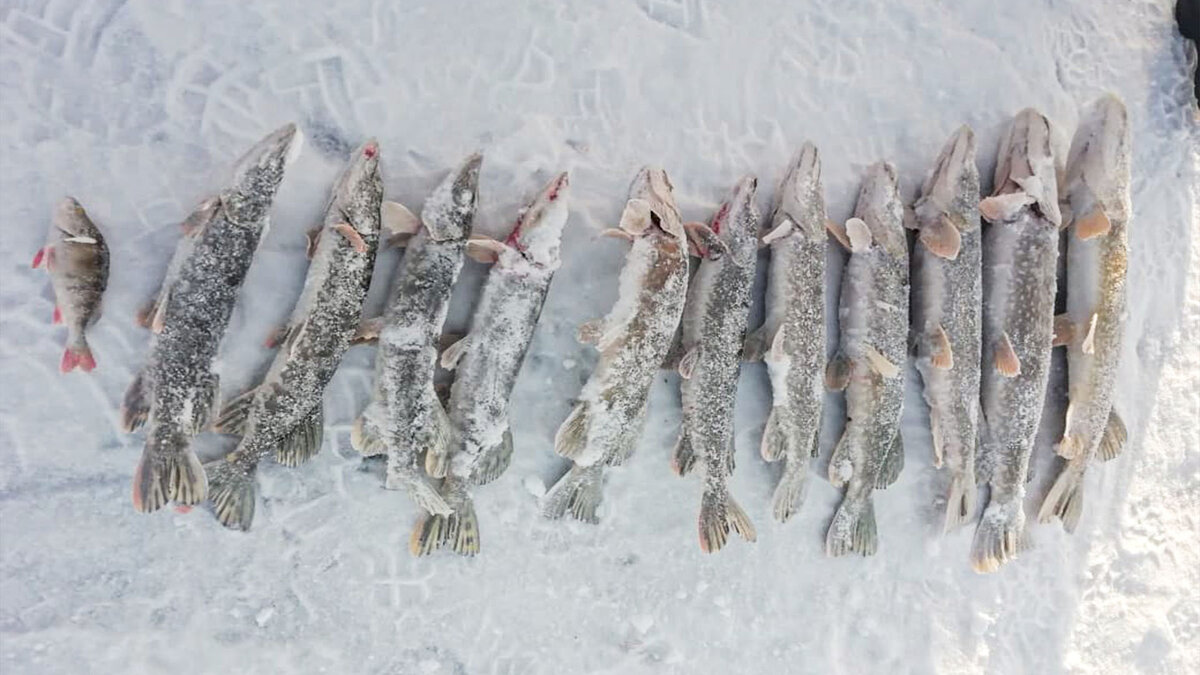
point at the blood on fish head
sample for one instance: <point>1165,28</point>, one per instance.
<point>538,230</point>
<point>359,179</point>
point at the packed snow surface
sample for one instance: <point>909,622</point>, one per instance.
<point>139,109</point>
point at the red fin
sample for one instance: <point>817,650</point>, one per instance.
<point>81,359</point>
<point>184,508</point>
<point>57,318</point>
<point>37,258</point>
<point>69,361</point>
<point>86,361</point>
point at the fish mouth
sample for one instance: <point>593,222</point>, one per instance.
<point>280,147</point>
<point>531,216</point>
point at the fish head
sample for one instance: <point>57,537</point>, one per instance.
<point>881,208</point>
<point>1028,164</point>
<point>953,187</point>
<point>360,188</point>
<point>256,176</point>
<point>735,224</point>
<point>538,231</point>
<point>801,197</point>
<point>652,187</point>
<point>448,212</point>
<point>1099,163</point>
<point>71,222</point>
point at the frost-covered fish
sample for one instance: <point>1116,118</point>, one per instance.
<point>873,313</point>
<point>947,299</point>
<point>792,338</point>
<point>633,339</point>
<point>153,313</point>
<point>405,419</point>
<point>714,329</point>
<point>1097,190</point>
<point>283,415</point>
<point>488,359</point>
<point>76,257</point>
<point>177,389</point>
<point>1020,255</point>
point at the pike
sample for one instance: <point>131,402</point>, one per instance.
<point>873,313</point>
<point>405,419</point>
<point>76,257</point>
<point>1020,255</point>
<point>283,415</point>
<point>1097,188</point>
<point>714,329</point>
<point>153,313</point>
<point>176,391</point>
<point>791,340</point>
<point>604,426</point>
<point>947,298</point>
<point>488,359</point>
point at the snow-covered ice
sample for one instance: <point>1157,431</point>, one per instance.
<point>139,108</point>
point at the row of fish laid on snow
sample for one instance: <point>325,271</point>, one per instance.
<point>982,320</point>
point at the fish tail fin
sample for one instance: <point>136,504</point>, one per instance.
<point>494,461</point>
<point>717,517</point>
<point>999,537</point>
<point>459,529</point>
<point>173,472</point>
<point>571,438</point>
<point>1065,499</point>
<point>792,488</point>
<point>578,492</point>
<point>683,456</point>
<point>77,354</point>
<point>232,492</point>
<point>853,528</point>
<point>960,503</point>
<point>365,437</point>
<point>776,441</point>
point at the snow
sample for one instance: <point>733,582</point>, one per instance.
<point>139,110</point>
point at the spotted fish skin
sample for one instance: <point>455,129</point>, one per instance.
<point>282,416</point>
<point>1097,190</point>
<point>873,317</point>
<point>1020,257</point>
<point>791,340</point>
<point>405,418</point>
<point>714,329</point>
<point>76,256</point>
<point>177,390</point>
<point>947,305</point>
<point>488,359</point>
<point>633,340</point>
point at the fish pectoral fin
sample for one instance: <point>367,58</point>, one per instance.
<point>1064,331</point>
<point>783,229</point>
<point>838,231</point>
<point>311,239</point>
<point>158,318</point>
<point>39,258</point>
<point>941,354</point>
<point>1089,339</point>
<point>1005,207</point>
<point>232,418</point>
<point>1007,362</point>
<point>454,353</point>
<point>1115,435</point>
<point>303,442</point>
<point>81,239</point>
<point>703,242</point>
<point>200,217</point>
<point>347,230</point>
<point>617,234</point>
<point>880,363</point>
<point>135,406</point>
<point>777,353</point>
<point>398,220</point>
<point>484,249</point>
<point>1094,224</point>
<point>837,372</point>
<point>687,365</point>
<point>368,330</point>
<point>941,237</point>
<point>635,217</point>
<point>858,234</point>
